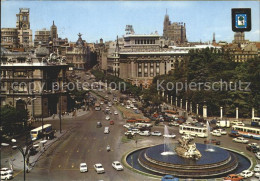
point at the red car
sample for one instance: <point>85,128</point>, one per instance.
<point>233,177</point>
<point>111,122</point>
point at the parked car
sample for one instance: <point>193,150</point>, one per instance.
<point>99,168</point>
<point>156,133</point>
<point>257,155</point>
<point>252,148</point>
<point>83,167</point>
<point>257,168</point>
<point>129,133</point>
<point>233,177</point>
<point>144,133</point>
<point>257,175</point>
<point>247,173</point>
<point>240,140</point>
<point>117,165</point>
<point>6,176</point>
<point>216,133</point>
<point>7,170</point>
<point>115,113</point>
<point>169,178</point>
<point>254,144</point>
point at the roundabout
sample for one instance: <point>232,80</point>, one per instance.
<point>214,163</point>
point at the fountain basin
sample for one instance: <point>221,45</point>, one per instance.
<point>214,164</point>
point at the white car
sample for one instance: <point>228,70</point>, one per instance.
<point>109,104</point>
<point>187,137</point>
<point>99,168</point>
<point>83,167</point>
<point>169,136</point>
<point>223,132</point>
<point>240,140</point>
<point>247,173</point>
<point>127,107</point>
<point>144,133</point>
<point>101,103</point>
<point>127,125</point>
<point>117,165</point>
<point>107,117</point>
<point>254,144</point>
<point>115,113</point>
<point>107,109</point>
<point>156,133</point>
<point>134,108</point>
<point>135,131</point>
<point>129,133</point>
<point>239,124</point>
<point>257,168</point>
<point>7,170</point>
<point>106,130</point>
<point>257,175</point>
<point>6,176</point>
<point>257,155</point>
<point>216,133</point>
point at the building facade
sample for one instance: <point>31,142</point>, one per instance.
<point>78,54</point>
<point>42,36</point>
<point>27,81</point>
<point>174,32</point>
<point>9,38</point>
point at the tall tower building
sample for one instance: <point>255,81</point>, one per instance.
<point>175,31</point>
<point>239,37</point>
<point>214,40</point>
<point>23,27</point>
<point>54,34</point>
<point>23,19</point>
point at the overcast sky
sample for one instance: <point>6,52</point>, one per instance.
<point>107,19</point>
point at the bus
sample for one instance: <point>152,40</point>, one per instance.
<point>255,121</point>
<point>193,131</point>
<point>37,132</point>
<point>247,132</point>
<point>97,107</point>
<point>171,113</point>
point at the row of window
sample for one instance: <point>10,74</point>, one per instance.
<point>141,41</point>
<point>145,70</point>
<point>199,130</point>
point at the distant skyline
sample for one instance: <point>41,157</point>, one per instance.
<point>107,19</point>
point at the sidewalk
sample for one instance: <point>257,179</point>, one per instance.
<point>78,113</point>
<point>17,158</point>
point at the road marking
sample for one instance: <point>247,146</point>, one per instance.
<point>77,151</point>
<point>18,173</point>
<point>72,166</point>
<point>59,166</point>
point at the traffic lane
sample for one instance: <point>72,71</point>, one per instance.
<point>74,158</point>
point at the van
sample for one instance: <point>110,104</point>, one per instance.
<point>106,130</point>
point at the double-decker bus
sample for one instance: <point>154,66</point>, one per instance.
<point>255,121</point>
<point>247,132</point>
<point>37,133</point>
<point>193,131</point>
<point>97,107</point>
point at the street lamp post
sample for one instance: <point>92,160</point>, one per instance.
<point>24,155</point>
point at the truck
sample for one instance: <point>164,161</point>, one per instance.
<point>223,123</point>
